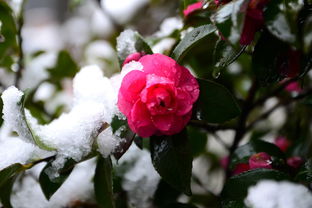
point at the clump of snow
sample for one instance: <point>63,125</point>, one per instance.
<point>78,187</point>
<point>126,42</point>
<point>107,141</point>
<point>272,194</point>
<point>12,113</point>
<point>117,78</point>
<point>14,150</point>
<point>91,85</point>
<point>141,179</point>
<point>73,134</point>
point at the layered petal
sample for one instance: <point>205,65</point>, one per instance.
<point>162,66</point>
<point>140,120</point>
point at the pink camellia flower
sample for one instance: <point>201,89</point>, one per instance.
<point>239,168</point>
<point>254,21</point>
<point>260,160</point>
<point>283,143</point>
<point>133,57</point>
<point>192,8</point>
<point>158,99</point>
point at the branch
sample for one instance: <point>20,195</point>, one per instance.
<point>20,62</point>
<point>241,127</point>
<point>285,103</point>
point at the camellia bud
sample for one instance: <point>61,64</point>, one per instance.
<point>260,160</point>
<point>192,8</point>
<point>133,57</point>
<point>294,162</point>
<point>283,143</point>
<point>241,167</point>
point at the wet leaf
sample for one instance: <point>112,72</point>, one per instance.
<point>50,185</point>
<point>130,42</point>
<point>190,40</point>
<point>281,19</point>
<point>230,19</point>
<point>241,182</point>
<point>172,159</point>
<point>215,103</point>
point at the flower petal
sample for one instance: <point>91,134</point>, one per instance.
<point>162,66</point>
<point>140,120</point>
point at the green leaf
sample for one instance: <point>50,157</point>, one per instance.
<point>215,104</point>
<point>5,193</point>
<point>126,142</point>
<point>230,19</point>
<point>8,43</point>
<point>198,140</point>
<point>305,173</point>
<point>38,141</point>
<point>190,40</point>
<point>8,172</point>
<point>236,187</point>
<point>130,42</point>
<point>103,183</point>
<point>65,67</point>
<point>225,54</point>
<point>233,204</point>
<point>172,159</point>
<point>265,59</point>
<point>165,194</point>
<point>121,129</point>
<point>243,152</point>
<point>281,19</point>
<point>307,34</point>
<point>50,185</point>
<point>117,123</point>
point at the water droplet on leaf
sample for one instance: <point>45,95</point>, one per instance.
<point>216,73</point>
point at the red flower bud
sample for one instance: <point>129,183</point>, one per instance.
<point>133,57</point>
<point>192,8</point>
<point>260,160</point>
<point>282,143</point>
<point>294,162</point>
<point>241,167</point>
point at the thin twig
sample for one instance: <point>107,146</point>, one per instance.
<point>279,104</point>
<point>20,62</point>
<point>218,139</point>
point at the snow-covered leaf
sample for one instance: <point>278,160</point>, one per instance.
<point>50,185</point>
<point>230,19</point>
<point>129,42</point>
